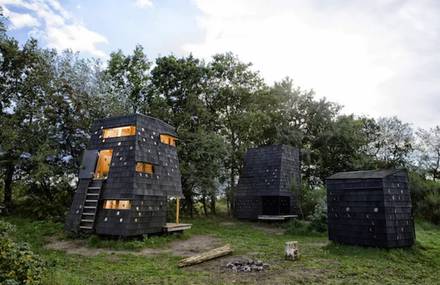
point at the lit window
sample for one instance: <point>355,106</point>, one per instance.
<point>167,139</point>
<point>144,167</point>
<point>117,204</point>
<point>119,132</point>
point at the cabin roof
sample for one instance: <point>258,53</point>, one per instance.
<point>364,174</point>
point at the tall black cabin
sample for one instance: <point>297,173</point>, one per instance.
<point>128,172</point>
<point>370,208</point>
<point>269,182</point>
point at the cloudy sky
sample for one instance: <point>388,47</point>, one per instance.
<point>376,57</point>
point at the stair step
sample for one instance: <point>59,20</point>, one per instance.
<point>85,227</point>
<point>88,214</point>
<point>86,221</point>
<point>94,194</point>
<point>91,201</point>
<point>89,207</point>
<point>94,187</point>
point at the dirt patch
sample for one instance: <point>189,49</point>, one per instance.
<point>191,246</point>
<point>279,271</point>
<point>194,245</point>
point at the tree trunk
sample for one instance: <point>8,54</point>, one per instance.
<point>8,186</point>
<point>191,207</point>
<point>205,210</point>
<point>213,253</point>
<point>212,204</point>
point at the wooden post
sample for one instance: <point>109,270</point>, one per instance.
<point>177,209</point>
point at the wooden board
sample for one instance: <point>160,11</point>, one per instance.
<point>276,217</point>
<point>213,253</point>
<point>173,227</point>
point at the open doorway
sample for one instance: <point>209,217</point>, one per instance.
<point>103,164</point>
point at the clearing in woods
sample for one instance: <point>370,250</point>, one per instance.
<point>154,261</point>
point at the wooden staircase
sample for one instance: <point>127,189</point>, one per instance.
<point>90,205</point>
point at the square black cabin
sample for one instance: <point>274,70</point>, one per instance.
<point>268,184</point>
<point>370,208</point>
<point>129,170</point>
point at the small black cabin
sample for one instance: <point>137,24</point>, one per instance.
<point>370,208</point>
<point>268,183</point>
<point>129,171</point>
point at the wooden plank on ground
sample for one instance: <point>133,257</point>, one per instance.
<point>213,253</point>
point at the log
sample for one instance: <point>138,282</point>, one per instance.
<point>213,253</point>
<point>291,250</point>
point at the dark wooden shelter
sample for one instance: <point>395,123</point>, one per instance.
<point>268,184</point>
<point>129,171</point>
<point>370,208</point>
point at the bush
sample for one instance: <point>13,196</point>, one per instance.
<point>309,198</point>
<point>318,220</point>
<point>18,264</point>
<point>6,229</point>
<point>298,227</point>
<point>429,207</point>
<point>425,195</point>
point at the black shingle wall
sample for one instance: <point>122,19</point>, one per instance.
<point>147,192</point>
<point>269,172</point>
<point>370,212</point>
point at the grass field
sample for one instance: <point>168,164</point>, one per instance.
<point>321,262</point>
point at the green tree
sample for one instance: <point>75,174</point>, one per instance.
<point>393,144</point>
<point>127,81</point>
<point>428,146</point>
<point>179,86</point>
<point>232,96</point>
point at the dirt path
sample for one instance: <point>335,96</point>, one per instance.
<point>191,246</point>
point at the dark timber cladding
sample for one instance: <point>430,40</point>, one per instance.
<point>268,183</point>
<point>370,208</point>
<point>129,170</point>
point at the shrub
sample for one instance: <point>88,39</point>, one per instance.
<point>425,195</point>
<point>429,207</point>
<point>309,198</point>
<point>297,227</point>
<point>18,264</point>
<point>318,220</point>
<point>6,229</point>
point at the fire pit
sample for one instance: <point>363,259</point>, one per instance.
<point>247,266</point>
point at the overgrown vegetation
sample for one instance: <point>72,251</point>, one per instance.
<point>18,264</point>
<point>321,262</point>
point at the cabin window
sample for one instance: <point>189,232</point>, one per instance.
<point>167,139</point>
<point>144,167</point>
<point>117,204</point>
<point>119,132</point>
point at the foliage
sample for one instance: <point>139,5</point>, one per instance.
<point>6,229</point>
<point>318,220</point>
<point>393,143</point>
<point>310,197</point>
<point>425,195</point>
<point>18,264</point>
<point>220,108</point>
<point>428,148</point>
<point>322,262</point>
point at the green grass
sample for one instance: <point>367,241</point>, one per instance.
<point>321,262</point>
